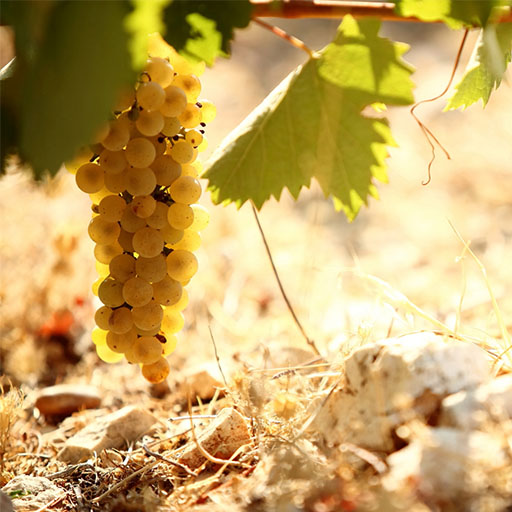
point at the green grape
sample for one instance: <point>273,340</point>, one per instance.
<point>105,253</point>
<point>172,321</point>
<point>170,345</point>
<point>121,321</point>
<point>166,170</point>
<point>102,269</point>
<point>101,133</point>
<point>117,138</point>
<point>110,292</point>
<point>102,231</point>
<point>115,183</point>
<point>158,219</point>
<point>143,206</point>
<point>190,84</point>
<point>170,234</point>
<point>174,103</point>
<point>131,223</point>
<point>125,100</point>
<point>150,123</point>
<point>101,317</point>
<point>167,291</point>
<point>160,71</point>
<point>96,285</point>
<point>149,316</point>
<point>140,181</point>
<point>191,241</point>
<point>182,151</point>
<point>98,196</point>
<point>113,162</point>
<point>189,170</point>
<point>180,216</point>
<point>122,267</point>
<point>107,355</point>
<point>121,343</point>
<point>194,137</point>
<point>99,336</point>
<point>145,350</point>
<point>148,242</point>
<point>185,190</point>
<point>150,96</point>
<point>157,371</point>
<point>202,146</point>
<point>172,126</point>
<point>208,111</point>
<point>201,217</point>
<point>140,152</point>
<point>160,144</point>
<point>137,292</point>
<point>90,178</point>
<point>181,304</point>
<point>191,116</point>
<point>181,265</point>
<point>111,208</point>
<point>125,240</point>
<point>151,270</point>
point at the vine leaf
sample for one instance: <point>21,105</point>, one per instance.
<point>454,13</point>
<point>312,126</point>
<point>209,26</point>
<point>486,67</point>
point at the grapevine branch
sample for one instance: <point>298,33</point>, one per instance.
<point>294,41</point>
<point>338,9</point>
<point>309,341</point>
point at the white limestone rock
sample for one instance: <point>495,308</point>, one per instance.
<point>391,381</point>
<point>112,431</point>
<point>475,408</point>
<point>30,493</point>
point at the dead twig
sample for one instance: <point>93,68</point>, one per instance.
<point>309,341</point>
<point>169,461</point>
<point>279,32</point>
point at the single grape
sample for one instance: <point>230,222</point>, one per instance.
<point>125,240</point>
<point>148,242</point>
<point>117,138</point>
<point>140,152</point>
<point>181,265</point>
<point>149,316</point>
<point>167,291</point>
<point>160,144</point>
<point>182,151</point>
<point>137,292</point>
<point>150,96</point>
<point>191,241</point>
<point>101,317</point>
<point>151,270</point>
<point>110,292</point>
<point>121,343</point>
<point>208,111</point>
<point>140,181</point>
<point>170,234</point>
<point>121,321</point>
<point>172,321</point>
<point>190,84</point>
<point>172,126</point>
<point>169,346</point>
<point>115,183</point>
<point>194,137</point>
<point>150,123</point>
<point>157,371</point>
<point>122,267</point>
<point>131,223</point>
<point>185,190</point>
<point>99,336</point>
<point>180,216</point>
<point>174,103</point>
<point>125,100</point>
<point>90,178</point>
<point>102,231</point>
<point>107,355</point>
<point>105,253</point>
<point>111,208</point>
<point>113,162</point>
<point>158,219</point>
<point>191,116</point>
<point>146,350</point>
<point>201,217</point>
<point>181,304</point>
<point>166,170</point>
<point>160,71</point>
<point>143,206</point>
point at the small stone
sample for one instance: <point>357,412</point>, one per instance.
<point>222,438</point>
<point>112,431</point>
<point>447,464</point>
<point>474,409</point>
<point>203,382</point>
<point>30,493</point>
<point>394,380</point>
<point>5,503</point>
<point>65,399</point>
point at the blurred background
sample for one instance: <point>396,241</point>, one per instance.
<point>405,239</point>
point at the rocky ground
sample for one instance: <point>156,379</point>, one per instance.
<point>408,406</point>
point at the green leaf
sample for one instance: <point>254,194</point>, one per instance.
<point>455,13</point>
<point>312,126</point>
<point>486,67</point>
<point>81,66</point>
<point>145,19</point>
<point>203,29</point>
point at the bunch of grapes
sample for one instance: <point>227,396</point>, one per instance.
<point>141,174</point>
